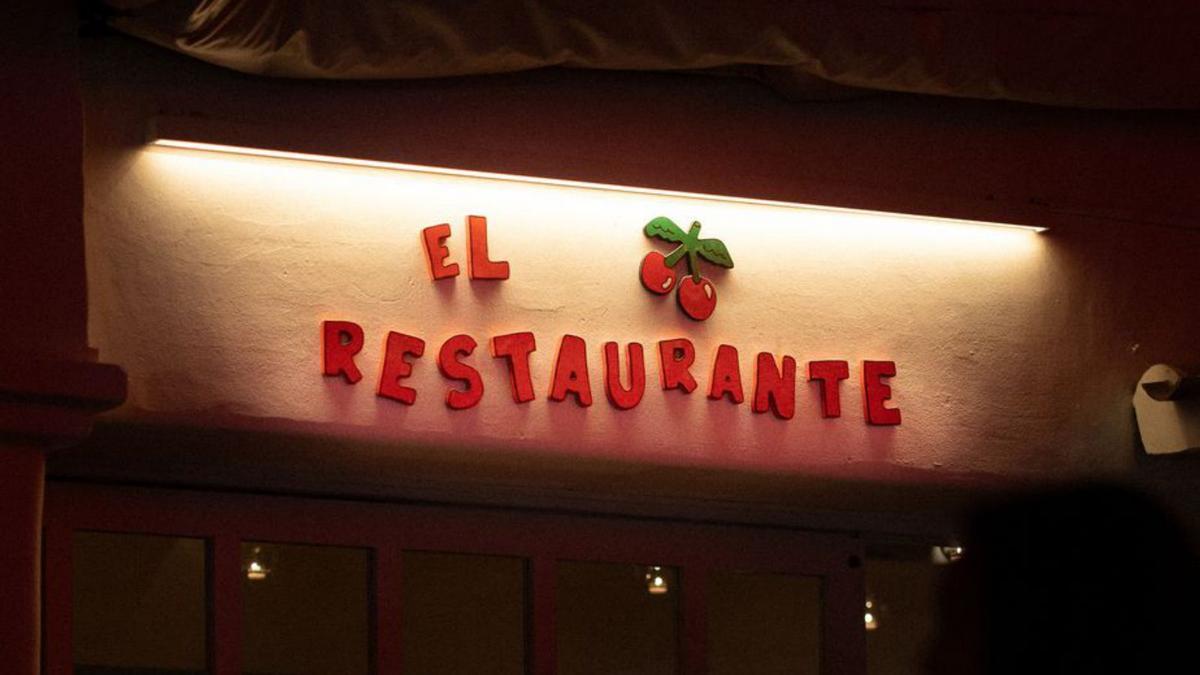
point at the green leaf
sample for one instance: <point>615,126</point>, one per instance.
<point>714,251</point>
<point>663,228</point>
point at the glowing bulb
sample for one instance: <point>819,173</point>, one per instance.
<point>656,581</point>
<point>870,618</point>
<point>944,555</point>
<point>256,570</point>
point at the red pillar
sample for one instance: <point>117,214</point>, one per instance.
<point>21,479</point>
<point>50,385</point>
<point>43,405</point>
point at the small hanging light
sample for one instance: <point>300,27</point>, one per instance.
<point>656,580</point>
<point>871,615</point>
<point>256,567</point>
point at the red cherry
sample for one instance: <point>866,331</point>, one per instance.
<point>698,299</point>
<point>656,276</point>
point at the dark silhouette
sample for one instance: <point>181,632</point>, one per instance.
<point>1093,579</point>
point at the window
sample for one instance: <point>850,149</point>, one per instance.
<point>172,582</point>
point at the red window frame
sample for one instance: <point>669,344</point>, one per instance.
<point>225,520</point>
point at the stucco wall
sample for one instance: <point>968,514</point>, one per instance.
<point>209,276</point>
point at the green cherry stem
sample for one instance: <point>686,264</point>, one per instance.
<point>694,266</point>
<point>673,257</point>
<point>692,244</point>
<point>689,247</point>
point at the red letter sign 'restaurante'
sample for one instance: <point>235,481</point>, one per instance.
<point>624,379</point>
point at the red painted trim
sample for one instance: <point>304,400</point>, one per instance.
<point>693,606</point>
<point>225,602</point>
<point>387,609</point>
<point>56,598</point>
<point>844,645</point>
<point>542,655</point>
<point>484,531</point>
<point>51,403</point>
<point>22,476</point>
<point>83,384</point>
<point>387,529</point>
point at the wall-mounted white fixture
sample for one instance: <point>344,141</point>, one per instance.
<point>1167,404</point>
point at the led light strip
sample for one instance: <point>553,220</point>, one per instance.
<point>397,166</point>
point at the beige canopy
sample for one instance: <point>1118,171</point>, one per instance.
<point>1080,53</point>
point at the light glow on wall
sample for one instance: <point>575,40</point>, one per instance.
<point>764,236</point>
<point>396,166</point>
<point>266,247</point>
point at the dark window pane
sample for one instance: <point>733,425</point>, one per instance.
<point>139,604</point>
<point>764,624</point>
<point>903,596</point>
<point>616,618</point>
<point>306,609</point>
<point>463,614</point>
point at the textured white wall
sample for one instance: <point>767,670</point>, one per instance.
<point>209,276</point>
<point>212,274</point>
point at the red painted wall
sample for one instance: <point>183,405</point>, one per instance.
<point>41,182</point>
<point>42,285</point>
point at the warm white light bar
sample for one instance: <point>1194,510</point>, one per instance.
<point>396,166</point>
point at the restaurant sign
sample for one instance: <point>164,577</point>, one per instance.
<point>773,387</point>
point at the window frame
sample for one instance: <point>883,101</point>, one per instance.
<point>225,520</point>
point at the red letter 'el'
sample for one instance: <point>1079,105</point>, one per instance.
<point>340,342</point>
<point>622,398</point>
<point>436,251</point>
<point>454,369</point>
<point>774,391</point>
<point>829,374</point>
<point>481,267</point>
<point>395,368</point>
<point>875,392</point>
<point>676,357</point>
<point>570,371</point>
<point>515,347</point>
<point>727,375</point>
